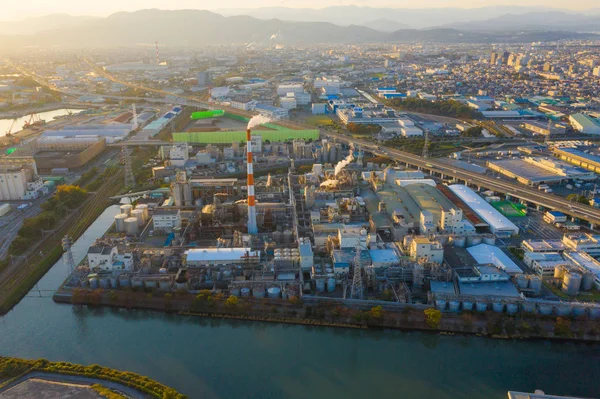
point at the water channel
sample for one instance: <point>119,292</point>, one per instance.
<point>206,358</point>
<point>17,123</point>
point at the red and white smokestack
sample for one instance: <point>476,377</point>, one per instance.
<point>252,227</point>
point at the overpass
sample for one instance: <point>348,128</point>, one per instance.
<point>550,201</point>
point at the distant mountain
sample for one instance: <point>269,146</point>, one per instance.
<point>385,25</point>
<point>415,18</point>
<point>550,20</point>
<point>31,26</point>
<point>194,28</point>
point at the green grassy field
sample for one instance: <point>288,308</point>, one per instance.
<point>319,120</point>
<point>510,209</point>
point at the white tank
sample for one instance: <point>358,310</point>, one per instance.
<point>139,215</point>
<point>245,292</point>
<point>131,226</point>
<point>320,285</point>
<point>529,307</point>
<point>459,242</point>
<point>143,207</point>
<point>564,309</point>
<point>467,306</point>
<point>587,282</point>
<point>453,306</point>
<point>489,239</point>
<point>522,281</point>
<point>535,284</point>
<point>258,292</point>
<point>481,306</point>
<point>120,222</point>
<point>559,271</point>
<point>274,292</point>
<point>498,307</point>
<point>235,292</point>
<point>473,240</point>
<point>571,283</point>
<point>440,304</point>
<point>126,209</point>
<point>512,308</point>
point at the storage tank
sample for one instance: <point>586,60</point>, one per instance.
<point>473,240</point>
<point>529,307</point>
<point>587,281</point>
<point>545,310</point>
<point>453,306</point>
<point>571,283</point>
<point>258,292</point>
<point>535,284</point>
<point>498,307</point>
<point>136,282</point>
<point>274,292</point>
<point>126,209</point>
<point>103,282</point>
<point>245,292</point>
<point>512,308</point>
<point>522,281</point>
<point>124,281</point>
<point>164,284</point>
<point>440,304</point>
<point>181,286</point>
<point>564,309</point>
<point>131,226</point>
<point>120,222</point>
<point>320,285</point>
<point>144,208</point>
<point>150,284</point>
<point>459,242</point>
<point>331,285</point>
<point>595,312</point>
<point>83,283</point>
<point>287,236</point>
<point>559,271</point>
<point>235,292</point>
<point>139,215</point>
<point>467,306</point>
<point>481,306</point>
<point>113,282</point>
<point>93,283</point>
<point>579,310</point>
<point>489,239</point>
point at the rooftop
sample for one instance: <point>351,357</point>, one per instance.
<point>496,288</point>
<point>489,254</point>
<point>219,254</point>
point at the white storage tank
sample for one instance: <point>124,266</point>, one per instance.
<point>126,209</point>
<point>150,284</point>
<point>104,282</point>
<point>571,283</point>
<point>144,209</point>
<point>139,215</point>
<point>453,306</point>
<point>545,310</point>
<point>320,285</point>
<point>595,312</point>
<point>258,292</point>
<point>164,284</point>
<point>467,306</point>
<point>512,308</point>
<point>136,282</point>
<point>587,282</point>
<point>473,240</point>
<point>274,292</point>
<point>481,306</point>
<point>459,242</point>
<point>124,281</point>
<point>498,307</point>
<point>131,226</point>
<point>579,310</point>
<point>245,292</point>
<point>235,292</point>
<point>489,239</point>
<point>120,222</point>
<point>529,307</point>
<point>522,281</point>
<point>330,285</point>
<point>440,304</point>
<point>564,309</point>
<point>93,283</point>
<point>535,284</point>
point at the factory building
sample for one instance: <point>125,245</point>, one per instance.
<point>584,124</point>
<point>583,242</point>
<point>421,249</point>
<point>489,254</point>
<point>579,158</point>
<point>561,168</point>
<point>498,223</point>
<point>179,154</point>
<point>19,180</point>
<point>587,264</point>
<point>543,263</point>
<point>221,257</point>
<point>541,246</point>
<point>166,219</point>
<point>107,258</point>
<point>111,133</point>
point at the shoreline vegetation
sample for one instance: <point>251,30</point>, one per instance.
<point>338,314</point>
<point>13,369</point>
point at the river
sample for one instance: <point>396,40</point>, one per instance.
<point>17,124</point>
<point>206,358</point>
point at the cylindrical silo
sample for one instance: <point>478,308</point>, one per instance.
<point>459,241</point>
<point>126,209</point>
<point>143,207</point>
<point>587,282</point>
<point>274,292</point>
<point>529,307</point>
<point>571,283</point>
<point>489,239</point>
<point>512,308</point>
<point>481,306</point>
<point>139,215</point>
<point>466,305</point>
<point>320,285</point>
<point>559,271</point>
<point>564,309</point>
<point>453,306</point>
<point>330,285</point>
<point>535,284</point>
<point>440,304</point>
<point>258,292</point>
<point>245,292</point>
<point>131,226</point>
<point>498,307</point>
<point>120,222</point>
<point>522,281</point>
<point>545,310</point>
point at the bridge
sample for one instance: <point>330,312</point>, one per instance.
<point>515,190</point>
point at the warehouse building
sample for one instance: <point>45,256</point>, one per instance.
<point>524,172</point>
<point>490,254</point>
<point>221,257</point>
<point>561,168</point>
<point>585,124</point>
<point>498,223</point>
<point>112,133</point>
<point>579,158</point>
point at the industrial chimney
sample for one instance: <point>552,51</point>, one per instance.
<point>252,227</point>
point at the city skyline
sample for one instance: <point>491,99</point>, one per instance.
<point>37,8</point>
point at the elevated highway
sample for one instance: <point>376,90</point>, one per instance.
<point>514,190</point>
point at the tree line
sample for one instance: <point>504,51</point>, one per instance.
<point>450,108</point>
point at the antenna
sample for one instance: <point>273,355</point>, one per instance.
<point>357,284</point>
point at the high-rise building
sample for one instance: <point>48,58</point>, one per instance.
<point>505,57</point>
<point>494,57</point>
<point>204,78</point>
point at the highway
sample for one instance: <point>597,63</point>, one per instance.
<point>550,201</point>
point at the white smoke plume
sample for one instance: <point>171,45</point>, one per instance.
<point>343,163</point>
<point>274,36</point>
<point>258,120</point>
<point>329,183</point>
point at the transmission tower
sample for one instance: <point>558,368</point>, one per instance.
<point>68,255</point>
<point>357,284</point>
<point>126,159</point>
<point>426,145</point>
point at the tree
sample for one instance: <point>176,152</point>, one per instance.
<point>376,312</point>
<point>71,196</point>
<point>562,327</point>
<point>232,301</point>
<point>474,131</point>
<point>433,317</point>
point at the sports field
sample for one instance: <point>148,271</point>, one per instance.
<point>510,209</point>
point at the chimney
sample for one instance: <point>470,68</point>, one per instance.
<point>252,227</point>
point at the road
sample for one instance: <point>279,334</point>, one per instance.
<point>550,201</point>
<point>11,223</point>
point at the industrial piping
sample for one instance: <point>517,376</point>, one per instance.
<point>252,227</point>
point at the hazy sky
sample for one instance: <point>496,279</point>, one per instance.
<point>18,9</point>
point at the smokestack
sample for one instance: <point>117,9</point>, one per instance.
<point>252,227</point>
<point>157,58</point>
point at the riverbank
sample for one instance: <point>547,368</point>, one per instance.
<point>19,113</point>
<point>340,314</point>
<point>16,371</point>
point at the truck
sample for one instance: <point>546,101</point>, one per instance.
<point>22,207</point>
